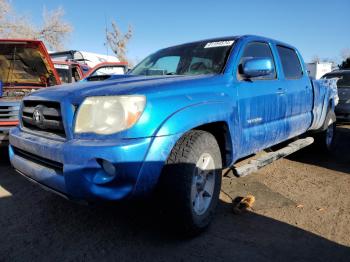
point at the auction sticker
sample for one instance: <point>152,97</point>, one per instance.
<point>219,44</point>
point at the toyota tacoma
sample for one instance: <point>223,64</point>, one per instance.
<point>171,124</point>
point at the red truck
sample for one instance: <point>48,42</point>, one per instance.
<point>70,71</point>
<point>25,66</point>
<point>109,68</point>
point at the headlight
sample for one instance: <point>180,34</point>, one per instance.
<point>108,114</point>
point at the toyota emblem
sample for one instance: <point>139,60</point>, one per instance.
<point>38,116</point>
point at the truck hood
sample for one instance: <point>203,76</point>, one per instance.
<point>25,63</point>
<point>124,84</point>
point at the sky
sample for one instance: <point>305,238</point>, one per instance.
<point>316,27</point>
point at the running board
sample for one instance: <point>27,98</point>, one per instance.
<point>255,164</point>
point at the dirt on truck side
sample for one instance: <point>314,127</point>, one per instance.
<point>301,213</point>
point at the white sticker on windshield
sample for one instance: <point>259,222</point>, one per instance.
<point>219,44</point>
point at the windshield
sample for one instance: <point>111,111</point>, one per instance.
<point>207,57</point>
<point>344,79</point>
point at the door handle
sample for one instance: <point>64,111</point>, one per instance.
<point>280,91</point>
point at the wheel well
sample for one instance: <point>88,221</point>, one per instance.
<point>329,113</point>
<point>222,135</point>
<point>331,104</point>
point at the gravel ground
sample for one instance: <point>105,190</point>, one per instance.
<point>301,213</point>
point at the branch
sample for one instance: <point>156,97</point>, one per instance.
<point>118,41</point>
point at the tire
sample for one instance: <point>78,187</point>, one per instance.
<point>326,139</point>
<point>191,181</point>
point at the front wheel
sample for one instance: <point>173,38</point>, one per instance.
<point>191,181</point>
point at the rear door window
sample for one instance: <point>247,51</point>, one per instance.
<point>290,62</point>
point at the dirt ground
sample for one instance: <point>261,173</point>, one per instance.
<point>301,213</point>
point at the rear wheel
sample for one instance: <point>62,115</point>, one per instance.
<point>329,136</point>
<point>326,139</point>
<point>191,181</point>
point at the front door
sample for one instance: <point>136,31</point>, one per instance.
<point>261,104</point>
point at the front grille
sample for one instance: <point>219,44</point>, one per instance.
<point>38,159</point>
<point>9,112</point>
<point>43,116</point>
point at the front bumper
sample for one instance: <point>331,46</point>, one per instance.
<point>70,167</point>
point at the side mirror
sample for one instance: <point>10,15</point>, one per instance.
<point>256,67</point>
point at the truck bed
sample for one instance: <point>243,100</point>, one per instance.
<point>325,90</point>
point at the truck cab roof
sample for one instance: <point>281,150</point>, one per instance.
<point>236,38</point>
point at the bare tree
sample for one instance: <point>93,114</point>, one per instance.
<point>118,41</point>
<point>54,30</point>
<point>315,59</point>
<point>4,12</point>
<point>318,59</point>
<point>345,53</point>
<point>4,8</point>
<point>18,27</point>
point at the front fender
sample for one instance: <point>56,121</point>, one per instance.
<point>193,116</point>
<point>175,126</point>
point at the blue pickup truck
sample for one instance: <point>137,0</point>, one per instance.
<point>171,124</point>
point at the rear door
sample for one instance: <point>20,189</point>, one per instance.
<point>261,103</point>
<point>298,91</point>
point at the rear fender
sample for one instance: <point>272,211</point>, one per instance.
<point>329,120</point>
<point>325,94</point>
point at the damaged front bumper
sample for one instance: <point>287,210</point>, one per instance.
<point>90,170</point>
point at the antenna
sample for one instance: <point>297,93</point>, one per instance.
<point>106,32</point>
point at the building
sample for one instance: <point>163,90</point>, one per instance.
<point>318,69</point>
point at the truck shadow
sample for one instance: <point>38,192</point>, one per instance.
<point>4,156</point>
<point>338,160</point>
<point>37,224</point>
